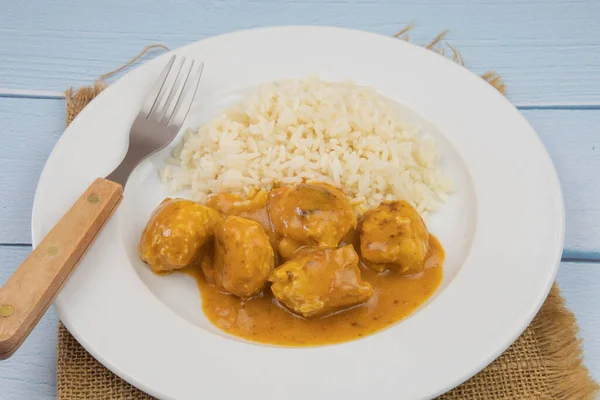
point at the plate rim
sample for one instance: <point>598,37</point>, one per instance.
<point>543,293</point>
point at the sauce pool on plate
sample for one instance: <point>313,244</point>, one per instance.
<point>294,266</point>
<point>262,319</point>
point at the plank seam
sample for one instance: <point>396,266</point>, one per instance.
<point>30,94</point>
<point>571,259</point>
<point>55,95</point>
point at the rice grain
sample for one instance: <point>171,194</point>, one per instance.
<point>310,129</point>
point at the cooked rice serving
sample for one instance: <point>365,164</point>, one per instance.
<point>312,130</point>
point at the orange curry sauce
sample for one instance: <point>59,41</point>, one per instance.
<point>263,319</point>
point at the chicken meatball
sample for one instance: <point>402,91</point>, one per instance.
<point>175,235</point>
<point>393,236</point>
<point>243,257</point>
<point>309,215</point>
<point>321,282</point>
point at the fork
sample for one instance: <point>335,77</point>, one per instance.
<point>27,294</point>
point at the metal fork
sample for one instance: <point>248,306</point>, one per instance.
<point>161,115</point>
<point>27,294</point>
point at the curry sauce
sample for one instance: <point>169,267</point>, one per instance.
<point>294,266</point>
<point>263,319</point>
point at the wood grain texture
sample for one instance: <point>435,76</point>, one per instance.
<point>30,373</point>
<point>31,127</point>
<point>31,289</point>
<point>547,51</point>
<point>573,140</point>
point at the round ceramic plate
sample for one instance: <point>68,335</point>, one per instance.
<point>502,230</point>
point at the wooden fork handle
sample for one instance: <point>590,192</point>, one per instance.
<point>27,294</point>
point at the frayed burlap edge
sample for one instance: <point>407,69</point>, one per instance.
<point>545,362</point>
<point>559,342</point>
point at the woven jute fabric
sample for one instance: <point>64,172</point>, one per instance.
<point>544,363</point>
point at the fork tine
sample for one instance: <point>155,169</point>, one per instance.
<point>176,90</point>
<point>188,92</point>
<point>152,96</point>
<point>161,100</point>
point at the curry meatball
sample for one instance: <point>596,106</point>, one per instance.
<point>393,236</point>
<point>243,257</point>
<point>207,266</point>
<point>176,233</point>
<point>321,282</point>
<point>309,215</point>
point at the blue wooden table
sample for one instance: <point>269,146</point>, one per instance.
<point>547,51</point>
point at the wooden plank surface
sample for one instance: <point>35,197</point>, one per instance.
<point>573,141</point>
<point>30,373</point>
<point>32,126</point>
<point>547,51</point>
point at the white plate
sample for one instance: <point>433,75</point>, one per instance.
<point>503,231</point>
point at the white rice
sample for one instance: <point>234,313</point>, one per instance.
<point>309,129</point>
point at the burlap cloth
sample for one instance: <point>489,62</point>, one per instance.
<point>545,362</point>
